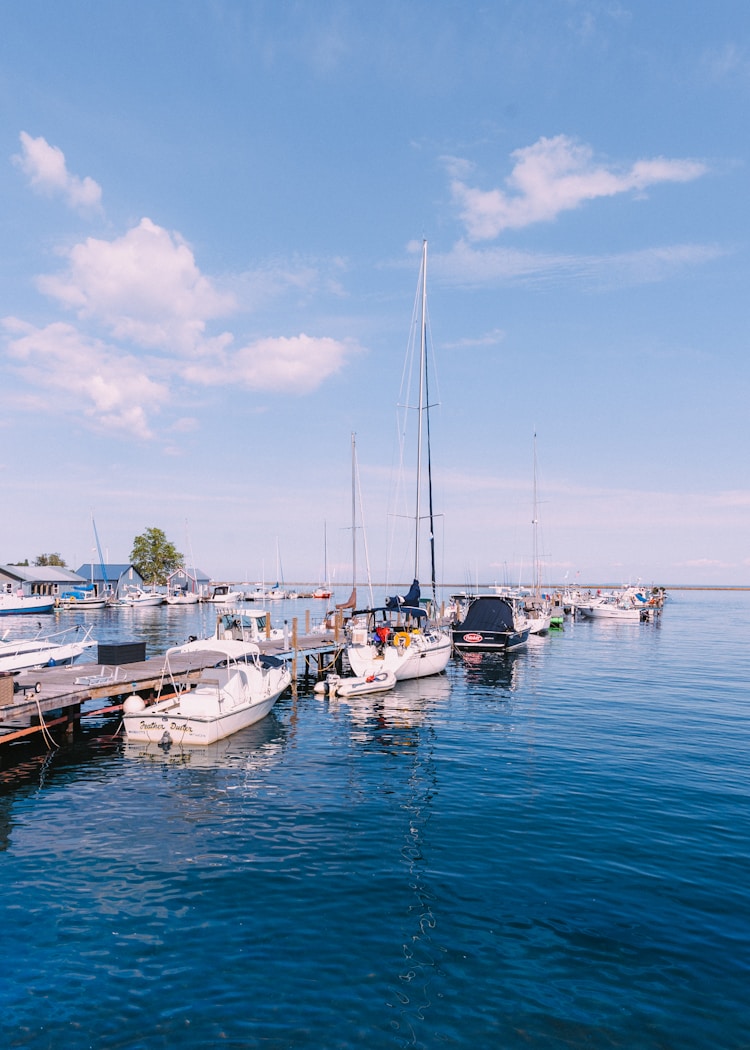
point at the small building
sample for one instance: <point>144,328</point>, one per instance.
<point>38,579</point>
<point>183,579</point>
<point>109,577</point>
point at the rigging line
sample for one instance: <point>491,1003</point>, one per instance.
<point>429,489</point>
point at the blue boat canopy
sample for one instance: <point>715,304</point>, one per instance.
<point>488,613</point>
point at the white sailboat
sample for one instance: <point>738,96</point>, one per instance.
<point>400,637</point>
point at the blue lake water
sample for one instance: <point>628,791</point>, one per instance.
<point>547,850</point>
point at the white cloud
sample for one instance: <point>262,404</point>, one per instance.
<point>144,287</point>
<point>297,365</point>
<point>47,171</point>
<point>552,176</point>
<point>110,388</point>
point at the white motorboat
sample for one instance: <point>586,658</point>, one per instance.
<point>628,606</point>
<point>181,597</point>
<point>222,594</point>
<point>246,625</point>
<point>83,598</point>
<point>45,649</point>
<point>137,597</point>
<point>13,604</point>
<point>238,690</point>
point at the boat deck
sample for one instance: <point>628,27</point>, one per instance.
<point>64,695</point>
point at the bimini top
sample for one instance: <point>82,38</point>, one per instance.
<point>488,613</point>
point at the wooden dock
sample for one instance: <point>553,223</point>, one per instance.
<point>54,696</point>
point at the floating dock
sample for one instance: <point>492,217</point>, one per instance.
<point>33,702</point>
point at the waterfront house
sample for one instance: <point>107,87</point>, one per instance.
<point>38,579</point>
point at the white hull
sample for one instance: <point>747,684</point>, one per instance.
<point>182,599</point>
<point>137,598</point>
<point>81,603</point>
<point>225,700</point>
<point>32,653</point>
<point>611,612</point>
<point>225,597</point>
<point>537,624</point>
<point>150,725</point>
<point>425,654</point>
<point>12,604</point>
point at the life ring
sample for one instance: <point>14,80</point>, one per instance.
<point>402,640</point>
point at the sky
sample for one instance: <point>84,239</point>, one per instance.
<point>211,223</point>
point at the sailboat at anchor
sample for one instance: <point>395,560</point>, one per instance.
<point>400,637</point>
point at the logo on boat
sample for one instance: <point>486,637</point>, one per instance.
<point>472,637</point>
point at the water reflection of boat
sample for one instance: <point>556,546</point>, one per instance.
<point>498,670</point>
<point>258,747</point>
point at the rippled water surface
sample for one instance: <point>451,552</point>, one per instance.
<point>549,850</point>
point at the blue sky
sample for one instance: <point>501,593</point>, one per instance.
<point>211,222</point>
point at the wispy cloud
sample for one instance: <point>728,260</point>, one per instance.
<point>552,176</point>
<point>48,173</point>
<point>469,266</point>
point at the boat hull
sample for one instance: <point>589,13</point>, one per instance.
<point>424,655</point>
<point>158,724</point>
<point>11,605</point>
<point>488,641</point>
<point>609,612</point>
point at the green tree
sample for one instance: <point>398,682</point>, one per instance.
<point>50,559</point>
<point>154,556</point>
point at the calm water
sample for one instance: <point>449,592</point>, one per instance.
<point>551,850</point>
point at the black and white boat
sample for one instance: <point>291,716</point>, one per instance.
<point>490,625</point>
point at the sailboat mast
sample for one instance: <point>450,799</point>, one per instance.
<point>534,524</point>
<point>354,511</point>
<point>422,370</point>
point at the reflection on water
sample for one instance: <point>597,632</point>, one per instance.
<point>253,749</point>
<point>492,670</point>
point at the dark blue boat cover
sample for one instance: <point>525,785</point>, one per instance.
<point>488,614</point>
<point>412,598</point>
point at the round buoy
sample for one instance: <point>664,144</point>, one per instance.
<point>320,687</point>
<point>133,704</point>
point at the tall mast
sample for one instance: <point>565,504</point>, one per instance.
<point>422,371</point>
<point>354,511</point>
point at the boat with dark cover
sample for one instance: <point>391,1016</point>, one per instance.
<point>488,625</point>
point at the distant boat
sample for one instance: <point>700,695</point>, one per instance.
<point>223,594</point>
<point>137,597</point>
<point>238,690</point>
<point>19,603</point>
<point>45,649</point>
<point>628,606</point>
<point>178,596</point>
<point>84,597</point>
